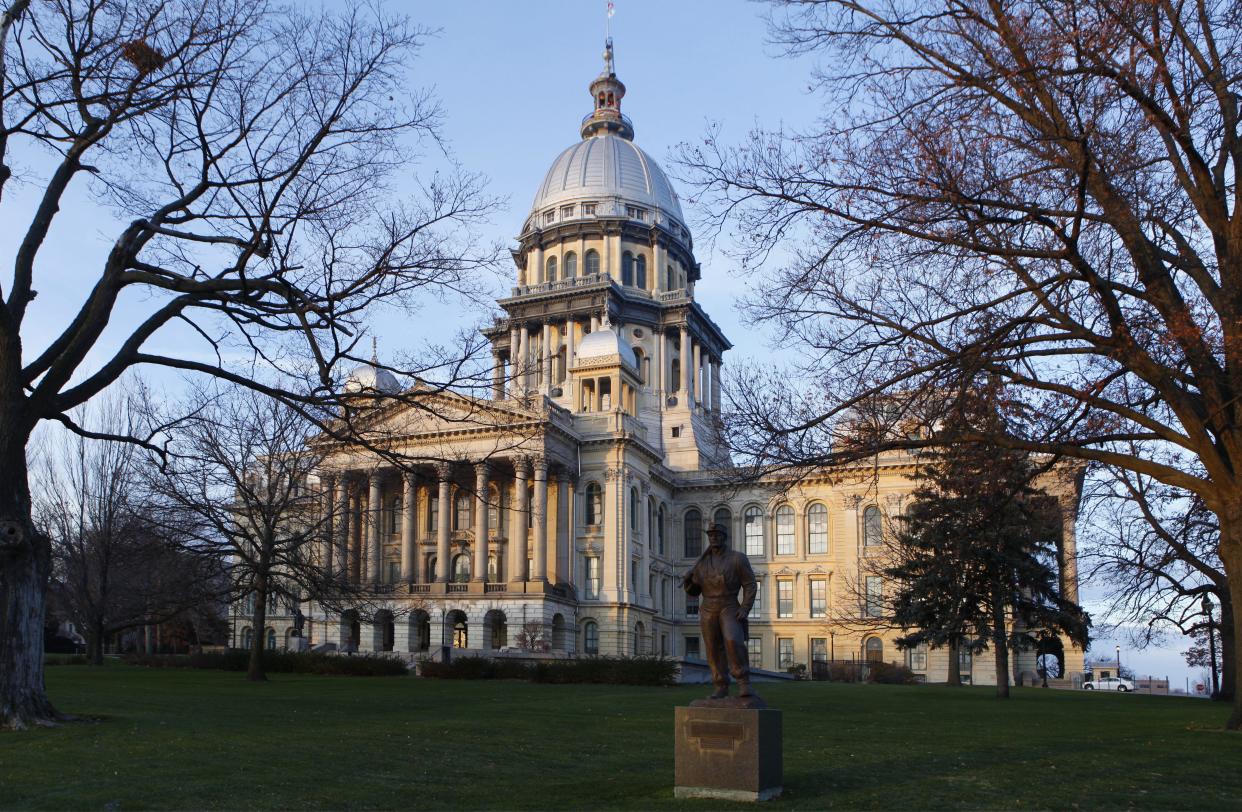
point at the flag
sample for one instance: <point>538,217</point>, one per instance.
<point>612,9</point>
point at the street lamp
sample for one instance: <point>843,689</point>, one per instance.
<point>1118,662</point>
<point>1207,610</point>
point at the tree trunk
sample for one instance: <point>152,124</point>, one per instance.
<point>254,673</point>
<point>1228,656</point>
<point>25,562</point>
<point>95,642</point>
<point>1231,557</point>
<point>1000,646</point>
<point>955,664</point>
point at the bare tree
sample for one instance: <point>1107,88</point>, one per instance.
<point>1156,547</point>
<point>113,568</point>
<point>251,150</point>
<point>240,486</point>
<point>1040,191</point>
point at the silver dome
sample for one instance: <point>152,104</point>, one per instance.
<point>604,343</point>
<point>611,171</point>
<point>371,379</point>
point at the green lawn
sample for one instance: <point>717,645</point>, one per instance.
<point>185,739</point>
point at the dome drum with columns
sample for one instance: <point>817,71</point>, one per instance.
<point>576,495</point>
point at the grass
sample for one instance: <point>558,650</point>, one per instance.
<point>196,739</point>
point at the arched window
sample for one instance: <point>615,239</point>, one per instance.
<point>640,638</point>
<point>461,568</point>
<point>594,504</point>
<point>571,265</point>
<point>495,516</point>
<point>643,367</point>
<point>672,278</point>
<point>461,631</point>
<point>694,533</point>
<point>676,374</point>
<point>874,650</point>
<point>871,527</point>
<point>640,272</point>
<point>660,531</point>
<point>549,272</point>
<point>590,637</point>
<point>634,509</point>
<point>591,263</point>
<point>724,517</point>
<point>752,527</point>
<point>247,638</point>
<point>817,524</point>
<point>270,644</point>
<point>651,530</point>
<point>627,269</point>
<point>461,510</point>
<point>784,530</point>
<point>433,514</point>
<point>493,568</point>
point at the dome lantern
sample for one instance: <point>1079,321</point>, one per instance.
<point>607,91</point>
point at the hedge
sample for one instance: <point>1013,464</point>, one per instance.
<point>279,662</point>
<point>598,670</point>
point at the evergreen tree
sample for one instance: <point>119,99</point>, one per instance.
<point>973,553</point>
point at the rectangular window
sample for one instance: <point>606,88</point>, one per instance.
<point>819,598</point>
<point>692,647</point>
<point>819,650</point>
<point>567,212</point>
<point>756,608</point>
<point>588,209</point>
<point>754,648</point>
<point>549,216</point>
<point>692,606</point>
<point>394,571</point>
<point>433,514</point>
<point>592,578</point>
<point>965,661</point>
<point>635,213</point>
<point>875,596</point>
<point>784,598</point>
<point>785,531</point>
<point>918,657</point>
<point>273,603</point>
<point>784,648</point>
<point>634,576</point>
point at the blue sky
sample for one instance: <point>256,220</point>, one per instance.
<point>512,78</point>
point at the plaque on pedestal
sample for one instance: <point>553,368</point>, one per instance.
<point>727,753</point>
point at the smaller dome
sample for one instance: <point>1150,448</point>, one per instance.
<point>369,378</point>
<point>604,343</point>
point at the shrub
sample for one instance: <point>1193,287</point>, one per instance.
<point>890,674</point>
<point>599,670</point>
<point>279,662</point>
<point>63,659</point>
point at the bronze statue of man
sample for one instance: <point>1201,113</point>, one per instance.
<point>718,575</point>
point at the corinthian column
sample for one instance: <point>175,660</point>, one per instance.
<point>340,519</point>
<point>518,521</point>
<point>445,472</point>
<point>540,511</point>
<point>409,512</point>
<point>480,522</point>
<point>375,518</point>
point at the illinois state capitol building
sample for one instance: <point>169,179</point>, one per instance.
<point>569,503</point>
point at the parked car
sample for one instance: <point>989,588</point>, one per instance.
<point>1109,684</point>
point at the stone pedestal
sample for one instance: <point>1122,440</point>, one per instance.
<point>298,644</point>
<point>733,754</point>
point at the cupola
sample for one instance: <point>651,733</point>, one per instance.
<point>607,91</point>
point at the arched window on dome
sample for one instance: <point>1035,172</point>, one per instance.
<point>644,367</point>
<point>640,272</point>
<point>549,273</point>
<point>591,263</point>
<point>627,269</point>
<point>571,265</point>
<point>675,374</point>
<point>672,279</point>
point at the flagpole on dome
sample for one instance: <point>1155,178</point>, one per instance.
<point>611,10</point>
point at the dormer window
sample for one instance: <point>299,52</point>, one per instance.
<point>588,209</point>
<point>635,213</point>
<point>567,212</point>
<point>549,216</point>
